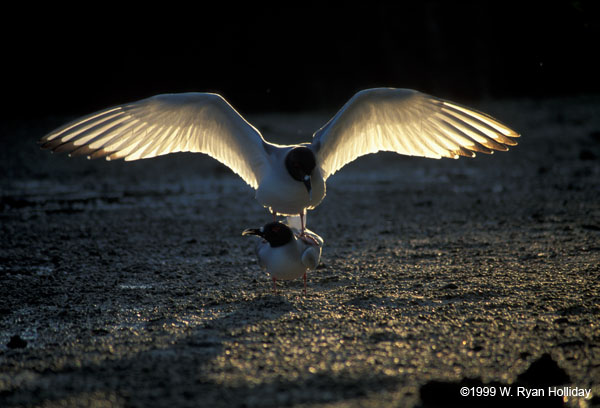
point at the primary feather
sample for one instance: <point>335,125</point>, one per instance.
<point>407,122</point>
<point>289,179</point>
<point>162,124</point>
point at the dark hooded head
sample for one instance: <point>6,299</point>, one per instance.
<point>300,163</point>
<point>276,233</point>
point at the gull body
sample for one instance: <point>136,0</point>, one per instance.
<point>288,179</point>
<point>281,193</point>
<point>284,254</point>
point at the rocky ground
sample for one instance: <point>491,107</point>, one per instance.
<point>129,284</point>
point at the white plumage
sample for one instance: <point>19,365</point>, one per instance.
<point>290,261</point>
<point>170,123</point>
<point>407,122</point>
<point>382,119</point>
<point>284,254</point>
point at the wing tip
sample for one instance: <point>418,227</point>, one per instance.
<point>49,137</point>
<point>50,144</point>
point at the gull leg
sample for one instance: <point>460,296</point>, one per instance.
<point>303,235</point>
<point>303,222</point>
<point>304,277</point>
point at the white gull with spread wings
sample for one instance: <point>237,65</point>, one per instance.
<point>288,179</point>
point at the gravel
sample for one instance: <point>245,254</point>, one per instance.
<point>129,284</point>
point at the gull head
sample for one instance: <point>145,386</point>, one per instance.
<point>275,233</point>
<point>300,163</point>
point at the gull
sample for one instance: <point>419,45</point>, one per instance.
<point>284,254</point>
<point>288,179</point>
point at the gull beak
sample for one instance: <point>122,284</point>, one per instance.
<point>308,186</point>
<point>253,231</point>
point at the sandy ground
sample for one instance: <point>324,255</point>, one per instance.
<point>129,284</point>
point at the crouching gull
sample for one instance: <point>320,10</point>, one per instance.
<point>283,254</point>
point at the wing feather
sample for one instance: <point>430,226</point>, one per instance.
<point>407,122</point>
<point>163,124</point>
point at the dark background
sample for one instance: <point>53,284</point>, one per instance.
<point>299,57</point>
<point>129,284</point>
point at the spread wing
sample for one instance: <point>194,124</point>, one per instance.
<point>406,122</point>
<point>162,124</point>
